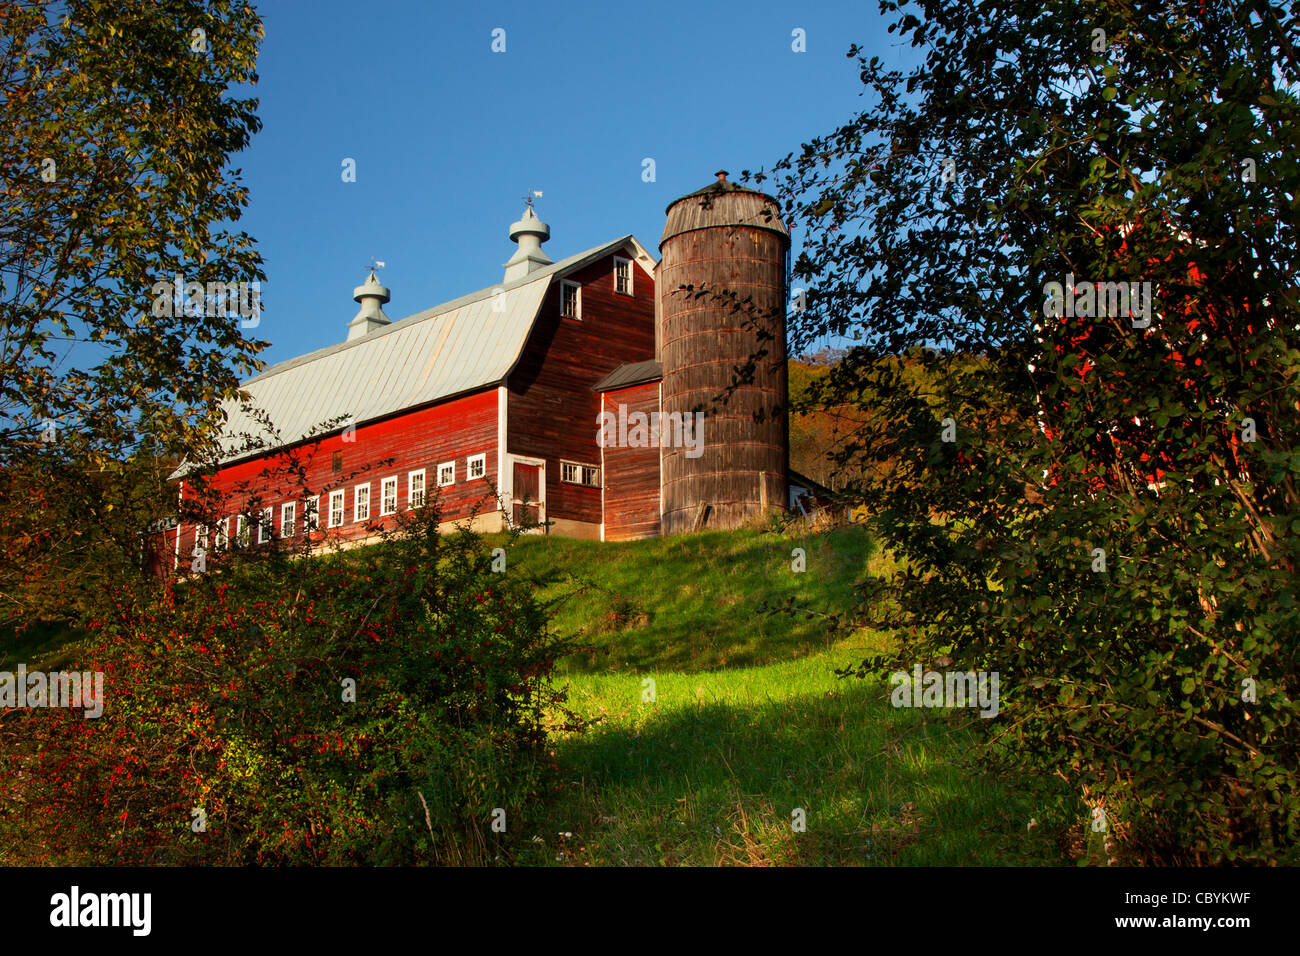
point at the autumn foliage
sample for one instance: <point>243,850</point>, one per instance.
<point>1141,604</point>
<point>230,735</point>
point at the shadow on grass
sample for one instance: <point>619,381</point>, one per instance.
<point>709,782</point>
<point>44,645</point>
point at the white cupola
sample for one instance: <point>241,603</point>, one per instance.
<point>529,232</point>
<point>370,318</point>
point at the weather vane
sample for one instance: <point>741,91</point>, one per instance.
<point>532,193</point>
<point>376,263</point>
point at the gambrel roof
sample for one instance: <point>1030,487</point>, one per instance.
<point>461,346</point>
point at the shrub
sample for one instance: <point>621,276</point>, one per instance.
<point>229,693</point>
<point>1096,498</point>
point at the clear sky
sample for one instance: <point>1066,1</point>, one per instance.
<point>448,136</point>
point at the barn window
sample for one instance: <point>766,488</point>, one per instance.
<point>336,508</point>
<point>447,473</point>
<point>623,276</point>
<point>266,527</point>
<point>221,539</point>
<point>311,514</point>
<point>388,496</point>
<point>415,489</point>
<point>576,473</point>
<point>570,300</point>
<point>288,519</point>
<point>241,530</point>
<point>361,503</point>
<point>336,462</point>
<point>476,467</point>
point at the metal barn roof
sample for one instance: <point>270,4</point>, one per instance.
<point>631,373</point>
<point>460,346</point>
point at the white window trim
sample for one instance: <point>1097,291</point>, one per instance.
<point>242,536</point>
<point>288,519</point>
<point>341,497</point>
<point>311,514</point>
<point>180,500</point>
<point>469,467</point>
<point>580,465</point>
<point>504,476</point>
<point>630,286</point>
<point>266,525</point>
<point>447,464</point>
<point>390,482</point>
<point>564,284</point>
<point>424,489</point>
<point>356,503</point>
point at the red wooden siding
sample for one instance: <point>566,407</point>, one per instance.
<point>552,409</point>
<point>631,474</point>
<point>425,438</point>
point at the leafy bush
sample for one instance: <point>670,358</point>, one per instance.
<point>1100,504</point>
<point>227,693</point>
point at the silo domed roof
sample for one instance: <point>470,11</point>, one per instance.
<point>722,203</point>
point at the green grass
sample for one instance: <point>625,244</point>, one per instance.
<point>748,721</point>
<point>43,645</point>
<point>711,771</point>
<point>693,602</point>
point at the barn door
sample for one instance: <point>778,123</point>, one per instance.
<point>528,497</point>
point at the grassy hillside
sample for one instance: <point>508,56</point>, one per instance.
<point>694,602</point>
<point>710,723</point>
<point>713,771</point>
<point>748,722</point>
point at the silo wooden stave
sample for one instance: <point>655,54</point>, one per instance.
<point>724,239</point>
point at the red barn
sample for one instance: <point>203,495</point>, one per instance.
<point>493,401</point>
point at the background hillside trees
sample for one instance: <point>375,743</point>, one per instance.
<point>833,408</point>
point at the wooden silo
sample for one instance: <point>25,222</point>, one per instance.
<point>729,245</point>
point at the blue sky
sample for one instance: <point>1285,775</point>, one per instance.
<point>448,136</point>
